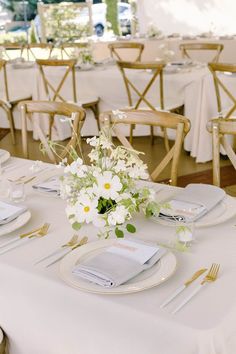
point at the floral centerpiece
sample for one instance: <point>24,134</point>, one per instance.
<point>106,193</point>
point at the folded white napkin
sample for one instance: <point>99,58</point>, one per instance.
<point>9,212</point>
<point>119,263</point>
<point>192,203</point>
<point>51,185</point>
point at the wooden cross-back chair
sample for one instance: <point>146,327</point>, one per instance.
<point>5,103</point>
<point>217,48</point>
<point>74,113</point>
<point>220,129</point>
<point>69,64</point>
<point>155,71</point>
<point>67,49</point>
<point>13,48</point>
<point>217,69</point>
<point>32,50</point>
<point>153,119</point>
<point>134,47</point>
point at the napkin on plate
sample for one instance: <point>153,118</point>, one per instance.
<point>51,185</point>
<point>192,203</point>
<point>119,263</point>
<point>9,212</point>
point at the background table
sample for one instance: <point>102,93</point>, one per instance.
<point>41,314</point>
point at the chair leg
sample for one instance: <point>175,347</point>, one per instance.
<point>152,135</point>
<point>95,110</point>
<point>132,126</point>
<point>12,126</point>
<point>166,140</point>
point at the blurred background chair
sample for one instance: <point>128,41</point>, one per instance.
<point>12,51</point>
<point>216,48</point>
<point>73,113</point>
<point>226,99</point>
<point>153,119</point>
<point>39,51</point>
<point>140,98</point>
<point>3,343</point>
<point>124,50</point>
<point>5,103</point>
<point>54,91</point>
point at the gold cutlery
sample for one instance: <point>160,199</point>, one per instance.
<point>40,232</point>
<point>195,276</point>
<point>63,251</point>
<point>209,278</point>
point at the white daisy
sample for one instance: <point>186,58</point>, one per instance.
<point>77,168</point>
<point>107,185</point>
<point>118,216</point>
<point>86,209</point>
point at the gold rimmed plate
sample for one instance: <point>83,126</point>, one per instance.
<point>149,278</point>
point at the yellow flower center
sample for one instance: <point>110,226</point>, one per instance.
<point>107,186</point>
<point>86,209</point>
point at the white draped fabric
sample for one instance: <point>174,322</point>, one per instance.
<point>41,314</point>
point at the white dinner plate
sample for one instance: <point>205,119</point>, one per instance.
<point>222,212</point>
<point>15,224</point>
<point>149,278</point>
<point>4,155</point>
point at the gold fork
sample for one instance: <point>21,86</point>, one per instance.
<point>42,232</point>
<point>36,231</point>
<point>209,278</point>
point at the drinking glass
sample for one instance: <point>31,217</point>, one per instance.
<point>17,191</point>
<point>184,234</point>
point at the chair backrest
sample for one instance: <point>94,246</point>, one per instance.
<point>39,50</point>
<point>3,82</point>
<point>154,119</point>
<point>13,50</point>
<point>218,70</point>
<point>187,47</point>
<point>220,128</point>
<point>134,48</point>
<point>71,49</point>
<point>155,69</point>
<point>54,93</point>
<point>74,113</point>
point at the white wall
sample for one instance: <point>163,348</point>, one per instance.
<point>188,16</point>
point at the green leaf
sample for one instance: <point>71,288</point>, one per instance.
<point>119,233</point>
<point>131,228</point>
<point>71,216</point>
<point>76,226</point>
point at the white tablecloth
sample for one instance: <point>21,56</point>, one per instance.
<point>41,314</point>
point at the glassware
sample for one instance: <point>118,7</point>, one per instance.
<point>17,191</point>
<point>184,234</point>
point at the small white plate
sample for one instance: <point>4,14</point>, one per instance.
<point>222,212</point>
<point>149,278</point>
<point>4,156</point>
<point>15,224</point>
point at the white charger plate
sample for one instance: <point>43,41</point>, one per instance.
<point>4,156</point>
<point>149,278</point>
<point>15,224</point>
<point>222,212</point>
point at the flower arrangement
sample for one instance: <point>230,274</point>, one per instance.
<point>106,192</point>
<point>166,54</point>
<point>153,31</point>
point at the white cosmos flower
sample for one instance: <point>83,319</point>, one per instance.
<point>138,173</point>
<point>77,168</point>
<point>120,166</point>
<point>86,209</point>
<point>94,141</point>
<point>107,185</point>
<point>118,216</point>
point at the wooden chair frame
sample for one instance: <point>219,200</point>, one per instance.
<point>157,71</point>
<point>114,49</point>
<point>13,46</point>
<point>6,104</point>
<point>157,119</point>
<point>219,68</point>
<point>32,46</point>
<point>70,64</point>
<point>64,48</point>
<point>72,111</point>
<point>220,128</point>
<point>185,47</point>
